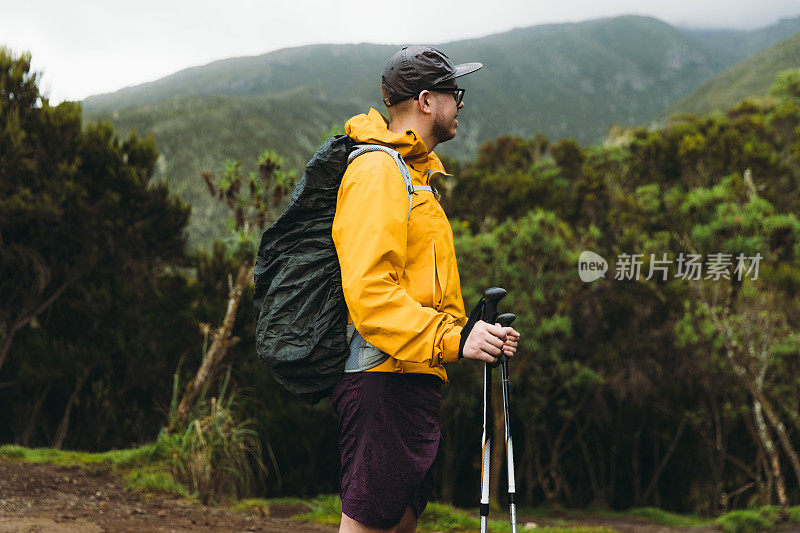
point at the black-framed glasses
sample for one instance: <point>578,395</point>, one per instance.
<point>458,93</point>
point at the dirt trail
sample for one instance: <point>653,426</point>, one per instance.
<point>49,498</point>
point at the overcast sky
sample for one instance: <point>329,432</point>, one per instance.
<point>86,47</point>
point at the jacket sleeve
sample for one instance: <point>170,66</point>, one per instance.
<point>370,231</point>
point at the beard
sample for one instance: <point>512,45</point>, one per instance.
<point>442,129</point>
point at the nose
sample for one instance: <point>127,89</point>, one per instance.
<point>460,104</point>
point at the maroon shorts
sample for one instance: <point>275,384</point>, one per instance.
<point>388,442</point>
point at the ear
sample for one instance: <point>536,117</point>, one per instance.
<point>425,102</point>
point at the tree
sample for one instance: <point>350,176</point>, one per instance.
<point>739,313</point>
<point>253,207</point>
<point>79,219</point>
<point>535,258</point>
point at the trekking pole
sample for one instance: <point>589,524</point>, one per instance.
<point>505,320</point>
<point>491,296</point>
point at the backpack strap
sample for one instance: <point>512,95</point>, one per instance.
<point>360,149</point>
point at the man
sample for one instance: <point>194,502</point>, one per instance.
<point>403,294</point>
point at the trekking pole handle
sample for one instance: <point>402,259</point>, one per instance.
<point>492,296</point>
<point>505,320</point>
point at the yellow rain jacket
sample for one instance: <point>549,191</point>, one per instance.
<point>399,274</point>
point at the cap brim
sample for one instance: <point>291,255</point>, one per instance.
<point>465,68</point>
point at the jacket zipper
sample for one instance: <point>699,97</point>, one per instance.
<point>436,303</point>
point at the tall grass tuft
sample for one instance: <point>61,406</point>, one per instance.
<point>218,456</point>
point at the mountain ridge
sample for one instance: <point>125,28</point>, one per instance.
<point>188,81</point>
<point>565,80</point>
<point>751,77</point>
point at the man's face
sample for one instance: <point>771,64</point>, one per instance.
<point>445,113</point>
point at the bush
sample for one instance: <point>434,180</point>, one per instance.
<point>744,522</point>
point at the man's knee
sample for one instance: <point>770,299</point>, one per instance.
<point>407,524</point>
<point>350,525</point>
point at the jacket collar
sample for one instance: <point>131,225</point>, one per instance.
<point>373,128</point>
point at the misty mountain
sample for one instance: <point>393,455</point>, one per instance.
<point>566,80</point>
<point>751,77</point>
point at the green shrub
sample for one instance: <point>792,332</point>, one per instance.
<point>747,521</point>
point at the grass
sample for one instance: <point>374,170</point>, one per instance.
<point>327,509</point>
<point>648,514</point>
<point>151,480</point>
<point>146,468</point>
<point>261,506</point>
<point>250,503</point>
<point>214,458</point>
<point>129,458</point>
<point>764,518</point>
<point>150,468</point>
<point>745,521</point>
<point>666,518</point>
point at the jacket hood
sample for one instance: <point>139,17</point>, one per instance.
<point>372,128</point>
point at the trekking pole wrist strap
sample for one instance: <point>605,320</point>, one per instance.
<point>474,316</point>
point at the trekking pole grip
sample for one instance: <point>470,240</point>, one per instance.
<point>492,296</point>
<point>504,320</point>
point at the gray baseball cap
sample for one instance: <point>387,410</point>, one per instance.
<point>416,68</point>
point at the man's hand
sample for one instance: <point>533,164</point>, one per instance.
<point>486,341</point>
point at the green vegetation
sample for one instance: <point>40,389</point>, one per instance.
<point>91,245</point>
<point>144,469</point>
<point>582,79</point>
<point>652,515</point>
<point>141,456</point>
<point>660,516</point>
<point>327,509</point>
<point>751,77</point>
<point>147,468</point>
<point>195,134</point>
<point>630,69</point>
<point>215,458</point>
<point>261,506</point>
<point>628,391</point>
<point>746,521</point>
<point>216,455</point>
<point>155,480</point>
<point>700,357</point>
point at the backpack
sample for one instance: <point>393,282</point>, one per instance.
<point>300,311</point>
